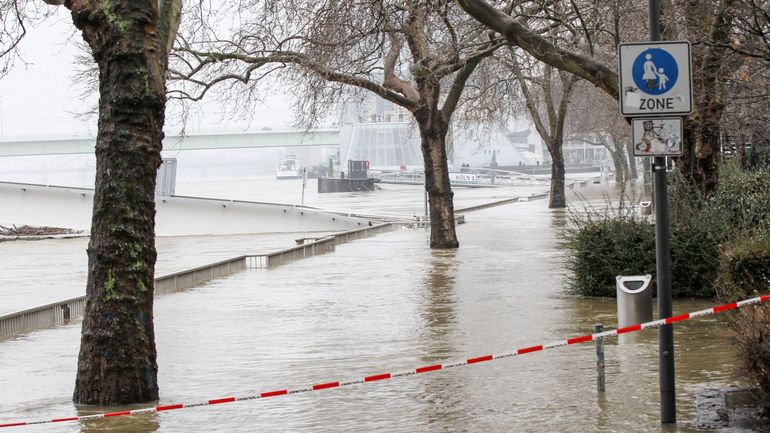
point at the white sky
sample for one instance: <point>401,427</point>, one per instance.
<point>39,99</point>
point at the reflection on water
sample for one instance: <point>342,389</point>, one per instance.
<point>137,424</point>
<point>383,304</point>
<point>443,408</point>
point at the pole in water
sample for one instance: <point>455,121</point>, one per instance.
<point>304,182</point>
<point>600,379</point>
<point>663,266</point>
<point>425,178</point>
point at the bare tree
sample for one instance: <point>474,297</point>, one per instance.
<point>547,95</point>
<point>595,120</point>
<point>129,40</point>
<point>416,54</point>
<point>707,24</point>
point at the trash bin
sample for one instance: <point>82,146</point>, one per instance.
<point>645,207</point>
<point>634,299</point>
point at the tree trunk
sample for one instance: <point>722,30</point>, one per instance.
<point>117,360</point>
<point>617,161</point>
<point>440,196</point>
<point>700,158</point>
<point>633,173</point>
<point>558,197</point>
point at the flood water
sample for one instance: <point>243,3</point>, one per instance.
<point>375,305</point>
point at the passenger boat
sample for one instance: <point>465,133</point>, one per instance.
<point>289,169</point>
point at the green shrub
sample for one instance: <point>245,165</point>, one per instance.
<point>745,273</point>
<point>695,253</point>
<point>742,202</point>
<point>600,247</point>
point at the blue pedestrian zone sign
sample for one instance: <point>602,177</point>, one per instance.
<point>655,78</point>
<point>655,71</point>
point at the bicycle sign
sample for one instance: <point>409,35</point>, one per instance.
<point>657,137</point>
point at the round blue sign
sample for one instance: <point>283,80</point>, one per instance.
<point>655,71</point>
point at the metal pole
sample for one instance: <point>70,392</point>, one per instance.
<point>663,267</point>
<point>425,179</point>
<point>304,182</point>
<point>600,380</point>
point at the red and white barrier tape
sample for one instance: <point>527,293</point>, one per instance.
<point>419,370</point>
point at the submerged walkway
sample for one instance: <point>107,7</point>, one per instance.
<point>389,301</point>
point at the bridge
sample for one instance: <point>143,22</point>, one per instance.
<point>225,140</point>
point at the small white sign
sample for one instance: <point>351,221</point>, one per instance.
<point>657,137</point>
<point>655,78</point>
<point>463,178</point>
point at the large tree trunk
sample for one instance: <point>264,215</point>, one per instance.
<point>440,196</point>
<point>117,360</point>
<point>700,158</point>
<point>558,197</point>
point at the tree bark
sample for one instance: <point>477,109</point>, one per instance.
<point>558,197</point>
<point>117,359</point>
<point>433,132</point>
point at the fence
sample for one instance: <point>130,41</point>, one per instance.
<point>46,316</point>
<point>58,313</point>
<point>319,246</point>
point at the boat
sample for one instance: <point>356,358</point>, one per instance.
<point>289,169</point>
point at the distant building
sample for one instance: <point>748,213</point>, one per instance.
<point>378,131</point>
<point>579,152</point>
<point>511,146</point>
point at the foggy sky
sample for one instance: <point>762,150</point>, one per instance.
<point>39,99</point>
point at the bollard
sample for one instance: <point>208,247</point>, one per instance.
<point>600,381</point>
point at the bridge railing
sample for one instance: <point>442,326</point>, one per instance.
<point>58,313</point>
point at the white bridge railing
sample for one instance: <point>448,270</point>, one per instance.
<point>478,177</point>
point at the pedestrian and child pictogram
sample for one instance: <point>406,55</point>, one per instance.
<point>655,71</point>
<point>655,78</point>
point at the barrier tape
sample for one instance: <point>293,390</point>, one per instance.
<point>420,370</point>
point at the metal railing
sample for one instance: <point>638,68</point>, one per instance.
<point>189,278</point>
<point>58,313</point>
<point>477,177</point>
<point>319,246</point>
<point>45,316</point>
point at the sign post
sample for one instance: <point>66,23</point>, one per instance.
<point>656,80</point>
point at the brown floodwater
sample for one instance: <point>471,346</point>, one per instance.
<point>389,303</point>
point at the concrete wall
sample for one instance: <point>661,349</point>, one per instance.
<point>42,205</point>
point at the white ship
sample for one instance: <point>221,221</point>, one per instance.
<point>289,169</point>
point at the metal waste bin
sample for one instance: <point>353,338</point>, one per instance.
<point>634,295</point>
<point>645,207</point>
